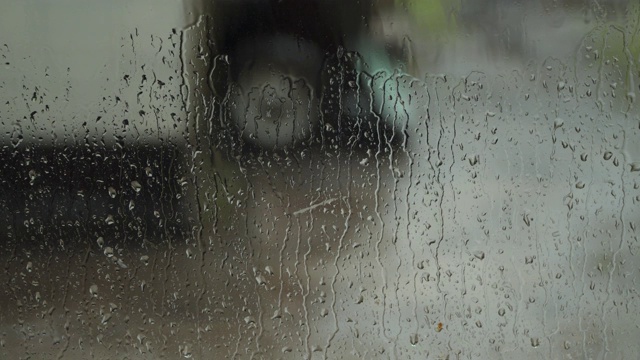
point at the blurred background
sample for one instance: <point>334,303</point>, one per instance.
<point>321,179</point>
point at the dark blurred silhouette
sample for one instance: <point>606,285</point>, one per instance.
<point>295,67</point>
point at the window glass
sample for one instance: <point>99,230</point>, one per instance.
<point>322,179</point>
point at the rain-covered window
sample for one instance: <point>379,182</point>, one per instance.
<point>321,179</point>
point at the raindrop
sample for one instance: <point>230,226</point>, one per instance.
<point>32,175</point>
<point>185,351</point>
<point>608,155</point>
<point>474,160</point>
<point>558,123</point>
<point>413,339</point>
<point>108,251</point>
<point>535,342</point>
<point>112,192</point>
<point>121,264</point>
<point>93,290</point>
<point>136,186</point>
<point>479,255</point>
<point>109,220</point>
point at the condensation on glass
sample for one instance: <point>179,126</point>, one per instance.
<point>330,179</point>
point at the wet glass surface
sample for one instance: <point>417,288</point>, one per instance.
<point>319,179</point>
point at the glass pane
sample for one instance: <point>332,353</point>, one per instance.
<point>319,179</point>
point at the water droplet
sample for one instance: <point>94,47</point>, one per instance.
<point>501,312</point>
<point>580,185</point>
<point>535,342</point>
<point>145,259</point>
<point>608,155</point>
<point>32,175</point>
<point>479,255</point>
<point>558,123</point>
<point>185,351</point>
<point>100,242</point>
<point>112,192</point>
<point>413,339</point>
<point>635,166</point>
<point>108,251</point>
<point>148,171</point>
<point>109,220</point>
<point>136,186</point>
<point>474,160</point>
<point>29,266</point>
<point>93,290</point>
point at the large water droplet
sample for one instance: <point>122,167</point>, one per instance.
<point>93,290</point>
<point>413,339</point>
<point>136,186</point>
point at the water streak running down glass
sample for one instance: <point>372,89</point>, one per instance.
<point>321,179</point>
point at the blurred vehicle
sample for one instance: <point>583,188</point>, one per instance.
<point>291,72</point>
